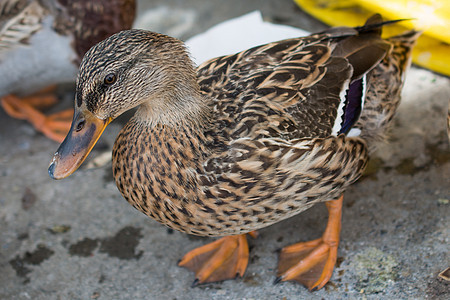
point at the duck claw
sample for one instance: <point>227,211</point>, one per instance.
<point>223,259</point>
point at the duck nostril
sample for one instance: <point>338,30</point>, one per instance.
<point>80,125</point>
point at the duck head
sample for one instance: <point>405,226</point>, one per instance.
<point>129,69</point>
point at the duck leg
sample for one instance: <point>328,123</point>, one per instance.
<point>225,258</point>
<point>311,263</point>
<point>54,126</point>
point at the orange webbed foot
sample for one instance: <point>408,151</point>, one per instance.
<point>223,259</point>
<point>312,263</point>
<point>54,126</point>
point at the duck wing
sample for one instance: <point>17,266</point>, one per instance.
<point>294,88</point>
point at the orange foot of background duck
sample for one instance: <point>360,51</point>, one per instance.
<point>54,126</point>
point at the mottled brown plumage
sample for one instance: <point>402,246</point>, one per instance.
<point>238,187</point>
<point>244,141</point>
<point>384,96</point>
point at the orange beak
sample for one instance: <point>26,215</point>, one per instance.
<point>84,133</point>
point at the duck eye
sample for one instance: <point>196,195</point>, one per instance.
<point>110,79</point>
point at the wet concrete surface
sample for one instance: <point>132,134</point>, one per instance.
<point>78,239</point>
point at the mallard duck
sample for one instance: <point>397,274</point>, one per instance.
<point>243,141</point>
<point>42,44</point>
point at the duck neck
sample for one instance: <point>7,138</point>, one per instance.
<point>177,106</point>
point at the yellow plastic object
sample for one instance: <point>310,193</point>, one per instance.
<point>431,16</point>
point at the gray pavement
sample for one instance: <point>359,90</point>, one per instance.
<point>78,239</point>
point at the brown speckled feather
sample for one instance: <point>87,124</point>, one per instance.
<point>254,183</point>
<point>248,139</point>
<point>273,110</point>
<point>288,89</point>
<point>383,96</point>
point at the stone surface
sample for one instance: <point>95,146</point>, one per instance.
<point>78,239</point>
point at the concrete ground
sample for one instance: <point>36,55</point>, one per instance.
<point>78,239</point>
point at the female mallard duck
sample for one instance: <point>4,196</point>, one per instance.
<point>244,141</point>
<point>43,42</point>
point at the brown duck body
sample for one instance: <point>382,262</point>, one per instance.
<point>244,141</point>
<point>263,147</point>
<point>192,187</point>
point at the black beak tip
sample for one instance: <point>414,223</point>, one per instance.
<point>51,169</point>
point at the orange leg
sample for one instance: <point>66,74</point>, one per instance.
<point>225,258</point>
<point>312,263</point>
<point>54,126</point>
